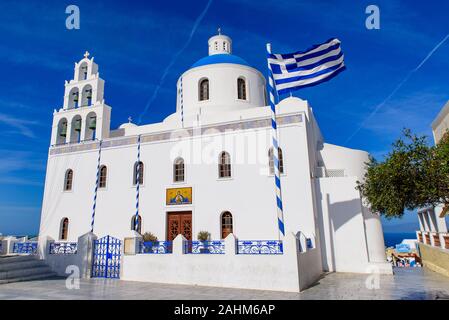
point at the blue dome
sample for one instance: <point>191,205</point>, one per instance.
<point>220,58</point>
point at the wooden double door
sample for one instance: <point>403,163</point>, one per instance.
<point>179,222</point>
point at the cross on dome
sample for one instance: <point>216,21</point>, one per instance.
<point>219,31</point>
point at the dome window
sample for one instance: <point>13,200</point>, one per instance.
<point>241,89</point>
<point>204,90</point>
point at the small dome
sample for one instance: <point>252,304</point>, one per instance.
<point>220,58</point>
<point>290,100</point>
<point>127,125</point>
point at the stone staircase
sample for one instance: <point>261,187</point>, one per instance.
<point>23,268</point>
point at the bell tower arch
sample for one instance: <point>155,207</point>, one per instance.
<point>84,112</point>
<point>86,88</point>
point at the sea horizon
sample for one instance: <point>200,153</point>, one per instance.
<point>393,238</point>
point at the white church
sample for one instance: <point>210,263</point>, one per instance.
<point>206,167</point>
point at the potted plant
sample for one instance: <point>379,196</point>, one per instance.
<point>149,237</point>
<point>203,236</point>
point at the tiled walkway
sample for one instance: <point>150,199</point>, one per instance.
<point>405,284</point>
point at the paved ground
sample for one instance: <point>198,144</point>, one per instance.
<point>405,284</point>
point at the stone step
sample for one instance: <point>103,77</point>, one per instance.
<point>17,258</point>
<point>42,276</point>
<point>21,264</point>
<point>17,273</point>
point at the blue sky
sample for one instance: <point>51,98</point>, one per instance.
<point>134,42</point>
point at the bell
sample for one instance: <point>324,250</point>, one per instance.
<point>75,97</point>
<point>78,125</point>
<point>93,123</point>
<point>63,132</point>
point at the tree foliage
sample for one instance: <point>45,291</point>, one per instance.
<point>412,175</point>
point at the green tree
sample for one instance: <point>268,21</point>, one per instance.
<point>412,175</point>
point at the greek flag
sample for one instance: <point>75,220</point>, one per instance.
<point>308,68</point>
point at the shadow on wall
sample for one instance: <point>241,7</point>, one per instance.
<point>336,216</point>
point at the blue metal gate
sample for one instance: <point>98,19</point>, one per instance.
<point>106,260</point>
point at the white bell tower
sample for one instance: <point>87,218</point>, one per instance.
<point>220,44</point>
<point>84,116</point>
<point>86,88</point>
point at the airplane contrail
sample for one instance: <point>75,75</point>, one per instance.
<point>173,60</point>
<point>399,86</point>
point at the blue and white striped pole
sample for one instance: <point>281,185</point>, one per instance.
<point>136,222</point>
<point>181,103</point>
<point>97,181</point>
<point>274,135</point>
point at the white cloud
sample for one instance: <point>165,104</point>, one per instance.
<point>21,125</point>
<point>415,111</point>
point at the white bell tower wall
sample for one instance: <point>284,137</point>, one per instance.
<point>84,114</point>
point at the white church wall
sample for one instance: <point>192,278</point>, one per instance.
<point>290,271</point>
<point>343,238</point>
<point>353,162</point>
<point>249,194</point>
<point>374,236</point>
<point>74,204</point>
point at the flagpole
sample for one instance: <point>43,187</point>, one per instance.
<point>136,222</point>
<point>274,136</point>
<point>97,181</point>
<point>182,104</point>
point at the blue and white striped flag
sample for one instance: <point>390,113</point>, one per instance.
<point>308,68</point>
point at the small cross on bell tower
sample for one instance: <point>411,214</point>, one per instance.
<point>86,54</point>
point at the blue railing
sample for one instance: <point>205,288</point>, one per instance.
<point>156,247</point>
<point>204,247</point>
<point>25,248</point>
<point>259,247</point>
<point>63,248</point>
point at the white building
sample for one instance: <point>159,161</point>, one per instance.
<point>206,168</point>
<point>433,221</point>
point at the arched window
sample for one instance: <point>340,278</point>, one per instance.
<point>62,131</point>
<point>178,170</point>
<point>241,89</point>
<point>204,90</point>
<point>86,96</point>
<point>138,166</point>
<point>76,127</point>
<point>226,224</point>
<point>271,160</point>
<point>68,180</point>
<point>90,126</point>
<point>133,224</point>
<point>224,165</point>
<point>102,178</point>
<point>64,229</point>
<point>74,97</point>
<point>83,71</point>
